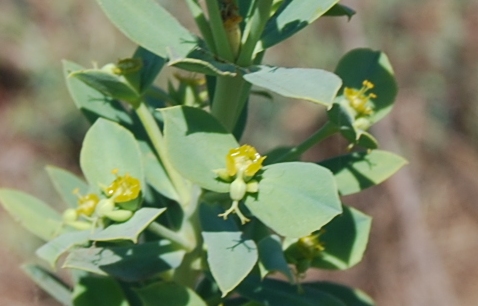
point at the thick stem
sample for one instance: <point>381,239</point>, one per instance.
<point>156,137</point>
<point>226,100</point>
<point>327,130</point>
<point>164,232</point>
<point>221,42</point>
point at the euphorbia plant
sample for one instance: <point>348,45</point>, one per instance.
<point>174,210</point>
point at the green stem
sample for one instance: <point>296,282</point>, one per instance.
<point>226,100</point>
<point>156,137</point>
<point>327,130</point>
<point>202,23</point>
<point>164,232</point>
<point>221,43</point>
<point>253,31</point>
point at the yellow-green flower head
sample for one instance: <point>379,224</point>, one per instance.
<point>359,98</point>
<point>310,246</point>
<point>245,160</point>
<point>124,188</point>
<point>87,204</point>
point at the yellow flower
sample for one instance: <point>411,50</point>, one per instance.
<point>359,99</point>
<point>245,160</point>
<point>124,188</point>
<point>310,246</point>
<point>86,203</point>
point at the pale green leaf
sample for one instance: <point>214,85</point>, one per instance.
<point>230,255</point>
<point>128,263</point>
<point>32,213</point>
<point>108,146</point>
<point>91,102</point>
<point>345,239</point>
<point>313,85</point>
<point>271,257</point>
<point>149,25</point>
<point>98,291</point>
<point>65,183</point>
<point>52,250</point>
<point>295,198</point>
<point>197,144</point>
<point>168,294</point>
<point>131,229</point>
<point>49,282</point>
<point>360,170</point>
<point>349,296</point>
<point>292,17</point>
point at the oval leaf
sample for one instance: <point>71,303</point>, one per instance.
<point>98,291</point>
<point>131,229</point>
<point>52,250</point>
<point>349,296</point>
<point>168,294</point>
<point>65,183</point>
<point>292,17</point>
<point>364,64</point>
<point>227,249</point>
<point>130,263</point>
<point>275,292</point>
<point>295,198</point>
<point>345,239</point>
<point>148,24</point>
<point>91,102</point>
<point>108,146</point>
<point>313,85</point>
<point>32,213</point>
<point>197,144</point>
<point>271,257</point>
<point>360,170</point>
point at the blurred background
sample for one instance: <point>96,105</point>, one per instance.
<point>423,245</point>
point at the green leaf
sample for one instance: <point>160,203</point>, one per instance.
<point>32,213</point>
<point>91,102</point>
<point>313,85</point>
<point>131,229</point>
<point>152,65</point>
<point>292,17</point>
<point>49,282</point>
<point>345,239</point>
<point>365,64</point>
<point>108,83</point>
<point>98,291</point>
<point>295,198</point>
<point>52,250</point>
<point>197,144</point>
<point>108,146</point>
<point>168,294</point>
<point>230,255</point>
<point>155,174</point>
<point>128,263</point>
<point>149,25</point>
<point>271,257</point>
<point>349,296</point>
<point>275,292</point>
<point>340,10</point>
<point>65,183</point>
<point>360,170</point>
<point>203,61</point>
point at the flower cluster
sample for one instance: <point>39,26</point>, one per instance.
<point>242,164</point>
<point>122,198</point>
<point>359,98</point>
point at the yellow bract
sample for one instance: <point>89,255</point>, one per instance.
<point>244,159</point>
<point>359,99</point>
<point>124,188</point>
